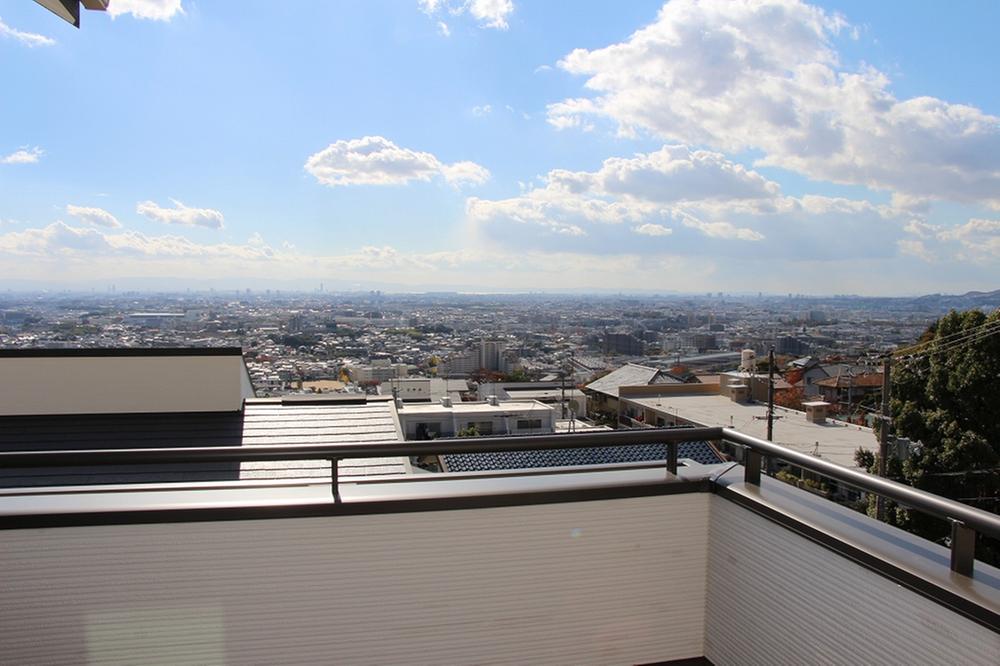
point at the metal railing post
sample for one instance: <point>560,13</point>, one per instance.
<point>751,466</point>
<point>335,479</point>
<point>963,547</point>
<point>672,458</point>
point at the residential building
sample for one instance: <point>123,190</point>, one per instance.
<point>492,417</point>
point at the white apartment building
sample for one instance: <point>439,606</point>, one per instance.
<point>446,419</point>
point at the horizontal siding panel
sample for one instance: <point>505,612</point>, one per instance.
<point>602,582</point>
<point>775,597</point>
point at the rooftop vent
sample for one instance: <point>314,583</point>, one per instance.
<point>816,411</point>
<point>739,393</point>
<point>445,401</point>
<point>493,400</point>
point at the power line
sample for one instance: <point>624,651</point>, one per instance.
<point>949,342</point>
<point>982,335</point>
<point>945,338</point>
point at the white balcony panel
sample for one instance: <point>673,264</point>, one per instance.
<point>601,582</point>
<point>775,597</point>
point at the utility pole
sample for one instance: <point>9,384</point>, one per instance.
<point>883,433</point>
<point>770,394</point>
<point>562,400</point>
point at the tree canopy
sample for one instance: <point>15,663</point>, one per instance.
<point>946,397</point>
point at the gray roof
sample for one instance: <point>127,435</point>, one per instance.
<point>266,422</point>
<point>630,374</point>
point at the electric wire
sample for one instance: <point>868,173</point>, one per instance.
<point>950,341</point>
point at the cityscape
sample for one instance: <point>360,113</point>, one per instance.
<point>319,342</point>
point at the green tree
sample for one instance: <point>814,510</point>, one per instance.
<point>944,396</point>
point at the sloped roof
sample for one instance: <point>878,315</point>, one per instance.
<point>630,374</point>
<point>700,452</point>
<point>870,380</point>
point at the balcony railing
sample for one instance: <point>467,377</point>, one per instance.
<point>965,521</point>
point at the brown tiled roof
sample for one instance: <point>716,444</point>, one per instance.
<point>872,380</point>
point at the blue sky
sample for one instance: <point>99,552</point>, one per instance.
<point>847,147</point>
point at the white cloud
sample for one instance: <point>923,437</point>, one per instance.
<point>65,253</point>
<point>488,13</point>
<point>976,228</point>
<point>375,160</point>
<point>650,229</point>
<point>724,230</point>
<point>978,239</point>
<point>673,183</point>
<point>465,173</point>
<point>765,76</point>
<point>921,229</point>
<point>29,39</point>
<point>491,13</point>
<point>483,110</point>
<point>154,10</point>
<point>915,248</point>
<point>97,217</point>
<point>181,214</point>
<point>23,156</point>
<point>671,174</point>
<point>60,239</point>
<point>443,29</point>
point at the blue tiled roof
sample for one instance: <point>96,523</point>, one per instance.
<point>700,452</point>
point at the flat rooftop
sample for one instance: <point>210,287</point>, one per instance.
<point>834,441</point>
<point>475,407</point>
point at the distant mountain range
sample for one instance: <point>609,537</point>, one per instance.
<point>966,301</point>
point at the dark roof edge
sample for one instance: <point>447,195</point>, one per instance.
<point>120,352</point>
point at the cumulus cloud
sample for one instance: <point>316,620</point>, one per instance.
<point>23,156</point>
<point>650,229</point>
<point>671,174</point>
<point>375,160</point>
<point>483,110</point>
<point>443,29</point>
<point>465,173</point>
<point>97,217</point>
<point>59,239</point>
<point>765,76</point>
<point>725,230</point>
<point>29,39</point>
<point>979,239</point>
<point>181,214</point>
<point>153,10</point>
<point>645,190</point>
<point>491,13</point>
<point>915,248</point>
<point>487,13</point>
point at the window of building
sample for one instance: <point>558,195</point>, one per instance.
<point>428,430</point>
<point>529,424</point>
<point>482,427</point>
